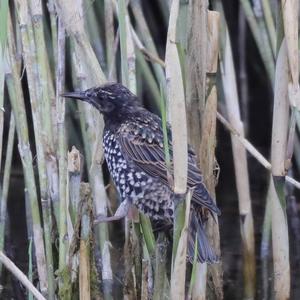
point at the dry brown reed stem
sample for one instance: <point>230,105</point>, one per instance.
<point>201,100</point>
<point>85,242</point>
<point>20,276</point>
<point>144,283</point>
<point>290,11</point>
<point>280,236</point>
<point>207,149</point>
<point>195,100</point>
<point>74,170</point>
<point>84,271</point>
<point>74,212</point>
<point>241,169</point>
<point>196,69</point>
<point>176,105</point>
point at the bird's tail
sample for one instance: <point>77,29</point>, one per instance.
<point>197,233</point>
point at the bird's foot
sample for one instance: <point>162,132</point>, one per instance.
<point>120,213</point>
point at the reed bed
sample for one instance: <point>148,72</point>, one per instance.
<point>49,47</point>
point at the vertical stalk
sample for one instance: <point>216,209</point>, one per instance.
<point>265,251</point>
<point>260,36</point>
<point>17,102</point>
<point>269,24</point>
<point>176,105</point>
<point>147,38</point>
<point>46,103</point>
<point>207,150</point>
<point>109,38</point>
<point>3,36</point>
<point>5,183</point>
<point>177,115</point>
<point>45,81</point>
<point>160,267</point>
<point>280,236</point>
<point>241,170</point>
<point>62,152</point>
<point>53,25</point>
<point>123,37</point>
<point>74,170</point>
<point>30,296</point>
<point>84,250</point>
<point>90,69</point>
<point>31,69</point>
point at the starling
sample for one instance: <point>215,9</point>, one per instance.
<point>134,152</point>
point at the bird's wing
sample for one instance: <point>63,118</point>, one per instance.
<point>141,141</point>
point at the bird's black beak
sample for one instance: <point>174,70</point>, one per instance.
<point>76,95</point>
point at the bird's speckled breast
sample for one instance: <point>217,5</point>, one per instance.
<point>147,193</point>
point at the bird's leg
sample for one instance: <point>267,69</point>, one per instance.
<point>120,213</point>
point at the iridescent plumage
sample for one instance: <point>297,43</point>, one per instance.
<point>133,148</point>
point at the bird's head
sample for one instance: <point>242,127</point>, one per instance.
<point>110,99</point>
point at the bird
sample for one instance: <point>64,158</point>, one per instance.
<point>133,144</point>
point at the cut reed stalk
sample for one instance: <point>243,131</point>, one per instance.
<point>74,170</point>
<point>84,250</point>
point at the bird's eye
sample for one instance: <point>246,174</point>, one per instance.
<point>88,94</point>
